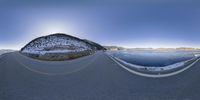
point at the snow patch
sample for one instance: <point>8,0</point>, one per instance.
<point>55,44</point>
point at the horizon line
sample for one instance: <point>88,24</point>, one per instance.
<point>151,47</point>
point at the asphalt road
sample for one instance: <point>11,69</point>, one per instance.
<point>94,77</point>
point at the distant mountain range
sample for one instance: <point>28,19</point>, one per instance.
<point>114,48</point>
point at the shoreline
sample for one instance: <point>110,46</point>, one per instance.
<point>155,74</point>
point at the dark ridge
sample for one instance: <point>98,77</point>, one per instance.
<point>95,45</point>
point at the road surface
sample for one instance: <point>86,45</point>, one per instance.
<point>95,77</point>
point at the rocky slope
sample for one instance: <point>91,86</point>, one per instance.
<point>59,44</point>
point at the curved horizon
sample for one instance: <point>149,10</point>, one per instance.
<point>133,24</point>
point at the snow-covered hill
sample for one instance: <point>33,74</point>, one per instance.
<point>56,43</point>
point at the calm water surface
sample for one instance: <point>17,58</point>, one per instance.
<point>153,58</point>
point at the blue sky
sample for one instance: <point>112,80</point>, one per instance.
<point>139,23</point>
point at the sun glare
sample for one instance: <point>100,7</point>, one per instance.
<point>55,28</point>
<point>44,28</point>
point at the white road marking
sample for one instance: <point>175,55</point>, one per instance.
<point>54,74</point>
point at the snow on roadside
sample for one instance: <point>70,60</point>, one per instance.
<point>51,51</point>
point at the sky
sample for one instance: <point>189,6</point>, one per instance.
<point>134,23</point>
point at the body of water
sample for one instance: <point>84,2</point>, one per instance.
<point>153,58</point>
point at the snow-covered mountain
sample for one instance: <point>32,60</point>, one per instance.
<point>57,43</point>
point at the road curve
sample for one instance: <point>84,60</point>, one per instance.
<point>94,77</point>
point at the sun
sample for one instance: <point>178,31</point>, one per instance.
<point>44,28</point>
<point>50,29</point>
<point>55,27</point>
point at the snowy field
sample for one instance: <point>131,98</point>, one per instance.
<point>154,61</point>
